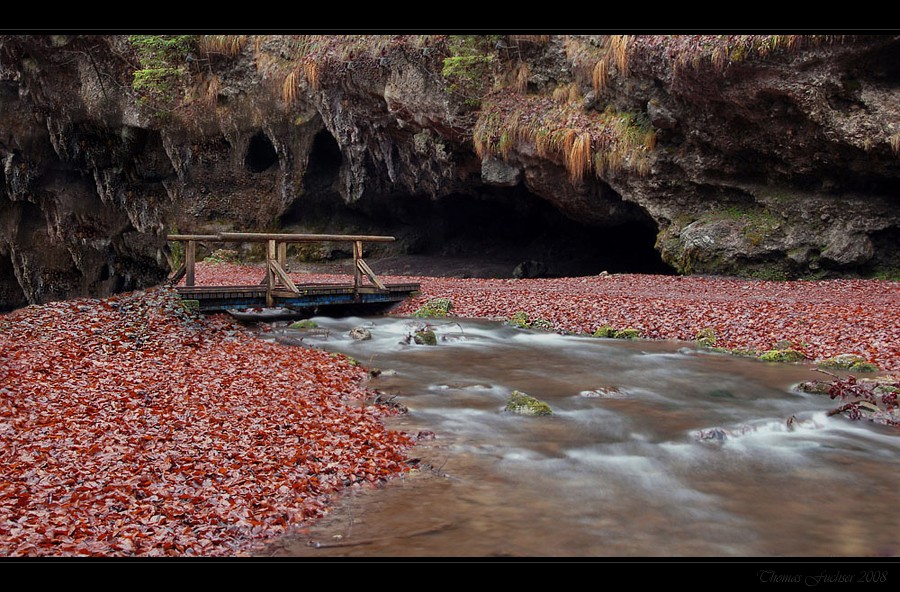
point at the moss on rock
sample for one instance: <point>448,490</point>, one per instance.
<point>605,331</point>
<point>816,387</point>
<point>520,320</point>
<point>191,305</point>
<point>435,308</point>
<point>304,324</point>
<point>627,333</point>
<point>425,337</point>
<point>851,362</point>
<point>542,324</point>
<point>525,404</point>
<point>706,337</point>
<point>782,355</point>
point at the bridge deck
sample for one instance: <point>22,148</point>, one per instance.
<point>308,296</point>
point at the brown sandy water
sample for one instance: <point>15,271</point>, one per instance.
<point>620,469</point>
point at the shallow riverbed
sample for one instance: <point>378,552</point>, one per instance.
<point>654,449</point>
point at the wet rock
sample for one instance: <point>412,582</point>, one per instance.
<point>714,434</point>
<point>425,337</point>
<point>360,333</point>
<point>816,387</point>
<point>603,392</point>
<point>851,362</point>
<point>529,269</point>
<point>525,404</point>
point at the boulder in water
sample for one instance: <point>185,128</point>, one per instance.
<point>360,333</point>
<point>425,337</point>
<point>525,404</point>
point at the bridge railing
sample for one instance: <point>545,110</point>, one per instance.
<point>276,255</point>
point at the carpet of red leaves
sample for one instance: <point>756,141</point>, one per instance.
<point>129,427</point>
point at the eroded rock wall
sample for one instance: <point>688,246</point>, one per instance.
<point>783,166</point>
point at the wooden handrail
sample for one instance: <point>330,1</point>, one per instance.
<point>196,237</point>
<point>276,254</point>
<point>301,238</point>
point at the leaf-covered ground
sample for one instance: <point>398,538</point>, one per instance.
<point>129,427</point>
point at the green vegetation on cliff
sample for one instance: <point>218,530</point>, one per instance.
<point>160,79</point>
<point>487,73</point>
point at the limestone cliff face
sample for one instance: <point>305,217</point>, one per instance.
<point>783,164</point>
<point>789,163</point>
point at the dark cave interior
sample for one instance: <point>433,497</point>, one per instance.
<point>493,228</point>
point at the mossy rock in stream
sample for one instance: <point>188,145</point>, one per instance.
<point>425,337</point>
<point>436,307</point>
<point>520,320</point>
<point>815,387</point>
<point>605,331</point>
<point>851,362</point>
<point>628,333</point>
<point>304,324</point>
<point>782,355</point>
<point>525,404</point>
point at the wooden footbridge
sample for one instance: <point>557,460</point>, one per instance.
<point>277,290</point>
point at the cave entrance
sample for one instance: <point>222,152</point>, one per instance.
<point>485,234</point>
<point>11,294</point>
<point>321,201</point>
<point>261,154</point>
<point>518,227</point>
<point>324,167</point>
<point>512,233</point>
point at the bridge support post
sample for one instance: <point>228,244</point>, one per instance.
<point>282,255</point>
<point>270,274</point>
<point>357,272</point>
<point>190,256</point>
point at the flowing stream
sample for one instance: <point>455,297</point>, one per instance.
<point>653,449</point>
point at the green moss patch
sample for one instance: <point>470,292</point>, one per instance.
<point>605,331</point>
<point>706,337</point>
<point>525,404</point>
<point>520,320</point>
<point>851,362</point>
<point>191,305</point>
<point>425,337</point>
<point>782,355</point>
<point>627,333</point>
<point>435,308</point>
